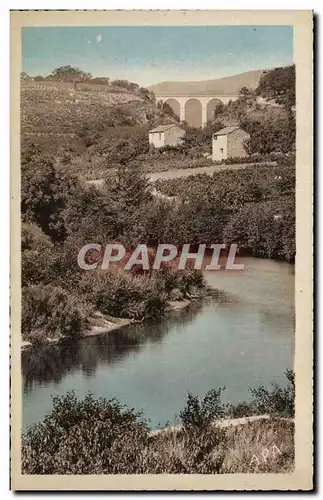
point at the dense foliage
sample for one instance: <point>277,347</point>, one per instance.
<point>100,436</point>
<point>279,84</point>
<point>51,311</point>
<point>44,191</point>
<point>61,214</point>
<point>253,207</point>
<point>270,136</point>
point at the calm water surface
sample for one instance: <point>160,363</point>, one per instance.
<point>243,340</point>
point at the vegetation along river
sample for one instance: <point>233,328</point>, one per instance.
<point>243,340</point>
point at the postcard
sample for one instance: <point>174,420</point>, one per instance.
<point>161,250</point>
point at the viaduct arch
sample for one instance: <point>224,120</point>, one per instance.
<point>204,106</point>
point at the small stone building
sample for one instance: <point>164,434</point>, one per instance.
<point>166,135</point>
<point>228,143</point>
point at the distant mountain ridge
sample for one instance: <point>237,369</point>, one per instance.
<point>229,85</point>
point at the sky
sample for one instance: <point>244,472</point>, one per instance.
<point>151,54</point>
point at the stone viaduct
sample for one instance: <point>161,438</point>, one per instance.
<point>204,104</point>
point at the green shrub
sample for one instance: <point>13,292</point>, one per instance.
<point>46,263</point>
<point>266,228</point>
<point>85,437</point>
<point>183,280</point>
<point>38,256</point>
<point>205,444</point>
<point>198,414</point>
<point>169,276</point>
<point>124,295</point>
<point>45,190</point>
<point>51,312</point>
<point>277,401</point>
<point>190,281</point>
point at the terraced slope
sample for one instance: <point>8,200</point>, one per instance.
<point>54,107</point>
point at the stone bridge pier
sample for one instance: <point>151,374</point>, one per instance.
<point>207,104</point>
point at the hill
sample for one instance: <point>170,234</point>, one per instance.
<point>229,85</point>
<point>53,113</point>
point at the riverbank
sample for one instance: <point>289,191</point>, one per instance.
<point>104,325</point>
<point>226,422</point>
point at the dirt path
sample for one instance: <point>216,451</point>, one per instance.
<point>227,422</point>
<point>186,172</point>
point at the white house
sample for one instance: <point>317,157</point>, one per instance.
<point>228,143</point>
<point>166,135</point>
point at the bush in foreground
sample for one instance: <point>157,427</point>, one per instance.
<point>277,401</point>
<point>99,436</point>
<point>85,437</point>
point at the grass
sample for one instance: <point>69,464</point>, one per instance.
<point>260,447</point>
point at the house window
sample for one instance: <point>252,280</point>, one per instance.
<point>160,137</point>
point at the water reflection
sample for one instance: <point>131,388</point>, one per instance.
<point>50,364</point>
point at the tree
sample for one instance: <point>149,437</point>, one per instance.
<point>244,91</point>
<point>24,76</point>
<point>129,197</point>
<point>268,136</point>
<point>218,110</point>
<point>44,193</point>
<point>278,84</point>
<point>129,188</point>
<point>199,140</point>
<point>247,97</point>
<point>147,94</point>
<point>209,129</point>
<point>70,74</point>
<point>168,110</point>
<point>89,216</point>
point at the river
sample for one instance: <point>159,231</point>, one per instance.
<point>243,340</point>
